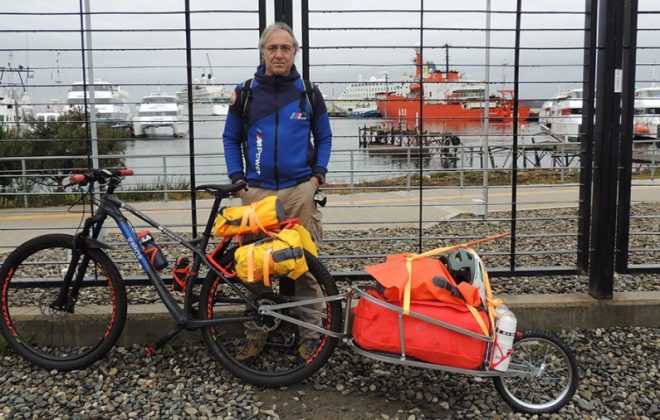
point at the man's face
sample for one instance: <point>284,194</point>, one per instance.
<point>278,53</point>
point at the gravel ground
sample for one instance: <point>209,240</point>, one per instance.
<point>619,366</point>
<point>619,379</point>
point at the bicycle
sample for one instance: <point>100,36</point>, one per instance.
<point>47,282</point>
<point>64,304</point>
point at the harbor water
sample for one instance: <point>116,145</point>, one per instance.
<point>159,153</point>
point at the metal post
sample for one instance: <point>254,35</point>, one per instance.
<point>24,173</point>
<point>420,126</point>
<point>191,122</point>
<point>461,176</point>
<point>284,11</point>
<point>165,184</point>
<point>304,26</point>
<point>606,136</point>
<point>352,169</point>
<point>486,116</point>
<point>625,158</point>
<point>262,18</point>
<point>514,164</point>
<point>86,110</point>
<point>587,133</point>
<point>92,87</point>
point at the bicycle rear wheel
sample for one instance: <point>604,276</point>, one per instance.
<point>552,379</point>
<point>74,334</point>
<point>279,362</point>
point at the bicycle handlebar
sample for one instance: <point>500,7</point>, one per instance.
<point>98,175</point>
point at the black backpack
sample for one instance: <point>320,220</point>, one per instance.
<point>246,95</point>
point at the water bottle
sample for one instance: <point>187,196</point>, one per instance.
<point>505,326</point>
<point>152,250</point>
<point>180,273</point>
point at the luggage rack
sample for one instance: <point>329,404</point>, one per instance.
<point>514,370</point>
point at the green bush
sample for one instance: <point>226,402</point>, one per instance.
<point>63,147</point>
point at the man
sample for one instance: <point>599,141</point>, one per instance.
<point>269,144</point>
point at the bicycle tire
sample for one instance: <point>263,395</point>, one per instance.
<point>278,364</point>
<point>57,338</point>
<point>555,383</point>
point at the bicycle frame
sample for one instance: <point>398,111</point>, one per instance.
<point>112,207</point>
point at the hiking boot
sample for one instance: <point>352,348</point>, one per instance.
<point>251,348</point>
<point>308,348</point>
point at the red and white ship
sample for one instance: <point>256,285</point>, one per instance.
<point>448,97</point>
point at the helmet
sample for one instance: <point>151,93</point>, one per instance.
<point>461,265</point>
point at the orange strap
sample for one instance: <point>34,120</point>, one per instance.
<point>491,303</point>
<point>266,267</point>
<point>410,257</point>
<point>245,221</point>
<point>408,290</point>
<point>444,250</point>
<point>480,321</point>
<point>250,222</point>
<point>250,263</point>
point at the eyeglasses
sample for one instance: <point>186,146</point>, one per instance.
<point>286,49</point>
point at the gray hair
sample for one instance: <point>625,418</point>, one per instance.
<point>275,27</point>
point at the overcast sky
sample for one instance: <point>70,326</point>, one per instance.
<point>552,55</point>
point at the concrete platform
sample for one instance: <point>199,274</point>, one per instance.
<point>555,312</point>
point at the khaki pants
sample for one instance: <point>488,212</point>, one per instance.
<point>298,202</point>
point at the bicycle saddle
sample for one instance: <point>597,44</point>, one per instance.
<point>224,190</point>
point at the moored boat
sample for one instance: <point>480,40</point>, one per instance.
<point>206,91</point>
<point>647,113</point>
<point>561,115</point>
<point>359,98</point>
<point>159,110</point>
<point>15,105</point>
<point>221,104</point>
<point>109,101</point>
<point>448,96</point>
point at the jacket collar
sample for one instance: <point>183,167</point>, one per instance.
<point>260,75</point>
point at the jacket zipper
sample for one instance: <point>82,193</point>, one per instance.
<point>277,121</point>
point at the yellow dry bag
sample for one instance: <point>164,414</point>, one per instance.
<point>258,216</point>
<point>281,254</point>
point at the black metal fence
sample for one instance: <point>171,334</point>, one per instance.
<point>397,182</point>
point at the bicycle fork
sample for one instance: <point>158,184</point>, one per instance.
<point>68,294</point>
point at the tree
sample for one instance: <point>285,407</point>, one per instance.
<point>62,146</point>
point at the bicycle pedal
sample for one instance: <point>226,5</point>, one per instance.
<point>149,351</point>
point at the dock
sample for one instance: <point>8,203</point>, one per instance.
<point>398,141</point>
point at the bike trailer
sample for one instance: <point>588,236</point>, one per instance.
<point>424,313</point>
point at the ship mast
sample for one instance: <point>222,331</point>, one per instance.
<point>208,60</point>
<point>446,58</point>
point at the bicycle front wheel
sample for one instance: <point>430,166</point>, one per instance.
<point>551,376</point>
<point>48,323</point>
<point>286,353</point>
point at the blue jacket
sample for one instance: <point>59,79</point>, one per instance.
<point>280,152</point>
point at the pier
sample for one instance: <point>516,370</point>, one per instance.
<point>398,141</point>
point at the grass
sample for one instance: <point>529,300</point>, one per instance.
<point>178,189</point>
<point>469,179</point>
